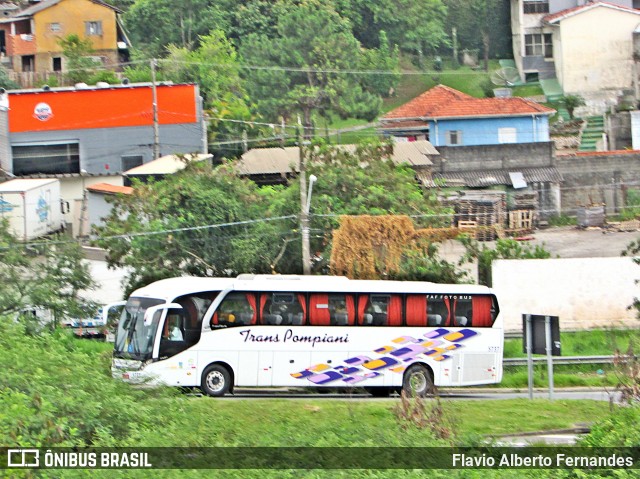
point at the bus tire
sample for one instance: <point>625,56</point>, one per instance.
<point>216,380</point>
<point>418,381</point>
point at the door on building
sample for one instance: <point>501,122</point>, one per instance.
<point>28,63</point>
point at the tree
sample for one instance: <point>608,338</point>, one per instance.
<point>481,25</point>
<point>214,66</point>
<point>356,182</point>
<point>388,247</point>
<point>78,52</point>
<point>301,63</point>
<point>505,249</point>
<point>415,26</point>
<point>571,102</point>
<point>52,280</point>
<point>155,24</point>
<point>191,223</point>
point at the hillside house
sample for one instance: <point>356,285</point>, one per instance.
<point>448,117</point>
<point>29,38</point>
<point>586,45</point>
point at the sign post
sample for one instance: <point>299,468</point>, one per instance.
<point>541,336</point>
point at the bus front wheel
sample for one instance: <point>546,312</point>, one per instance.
<point>418,381</point>
<point>216,381</point>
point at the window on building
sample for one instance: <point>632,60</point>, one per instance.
<point>538,44</point>
<point>507,135</point>
<point>55,27</point>
<point>46,159</point>
<point>454,137</point>
<point>57,64</point>
<point>93,28</point>
<point>536,6</point>
<point>130,161</point>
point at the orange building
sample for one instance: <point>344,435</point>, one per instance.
<point>29,39</point>
<point>100,130</point>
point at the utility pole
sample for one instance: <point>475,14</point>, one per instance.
<point>156,133</point>
<point>304,209</point>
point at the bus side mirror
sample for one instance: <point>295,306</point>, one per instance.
<point>149,313</point>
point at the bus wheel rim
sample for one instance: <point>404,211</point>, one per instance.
<point>215,381</point>
<point>417,382</point>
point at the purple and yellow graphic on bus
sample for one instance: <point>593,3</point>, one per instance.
<point>395,357</point>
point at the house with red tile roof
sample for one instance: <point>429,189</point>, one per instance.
<point>448,117</point>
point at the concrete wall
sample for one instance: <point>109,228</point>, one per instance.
<point>494,157</point>
<point>598,178</point>
<point>583,292</point>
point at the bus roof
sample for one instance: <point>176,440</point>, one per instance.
<point>171,288</point>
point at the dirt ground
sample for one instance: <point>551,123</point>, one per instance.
<point>562,242</point>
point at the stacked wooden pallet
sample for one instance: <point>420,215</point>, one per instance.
<point>487,209</point>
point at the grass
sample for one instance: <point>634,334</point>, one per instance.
<point>527,90</point>
<point>595,342</point>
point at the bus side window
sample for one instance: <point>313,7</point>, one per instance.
<point>383,310</point>
<point>463,313</point>
<point>283,309</point>
<point>237,309</point>
<point>342,310</point>
<point>437,311</point>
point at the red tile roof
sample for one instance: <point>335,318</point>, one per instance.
<point>569,12</point>
<point>444,102</point>
<point>110,189</point>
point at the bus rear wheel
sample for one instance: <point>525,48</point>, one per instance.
<point>216,381</point>
<point>418,381</point>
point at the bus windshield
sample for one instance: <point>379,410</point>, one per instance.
<point>134,339</point>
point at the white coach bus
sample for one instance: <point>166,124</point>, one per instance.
<point>320,331</point>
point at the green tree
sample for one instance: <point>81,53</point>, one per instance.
<point>5,81</point>
<point>571,102</point>
<point>504,249</point>
<point>416,27</point>
<point>311,43</point>
<point>214,66</point>
<point>481,25</point>
<point>80,64</point>
<point>52,280</point>
<point>155,24</point>
<point>164,228</point>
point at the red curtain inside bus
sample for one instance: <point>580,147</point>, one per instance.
<point>363,299</point>
<point>416,313</point>
<point>319,316</point>
<point>251,299</point>
<point>303,305</point>
<point>394,311</point>
<point>482,312</point>
<point>351,308</point>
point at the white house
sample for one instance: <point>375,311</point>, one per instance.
<point>586,45</point>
